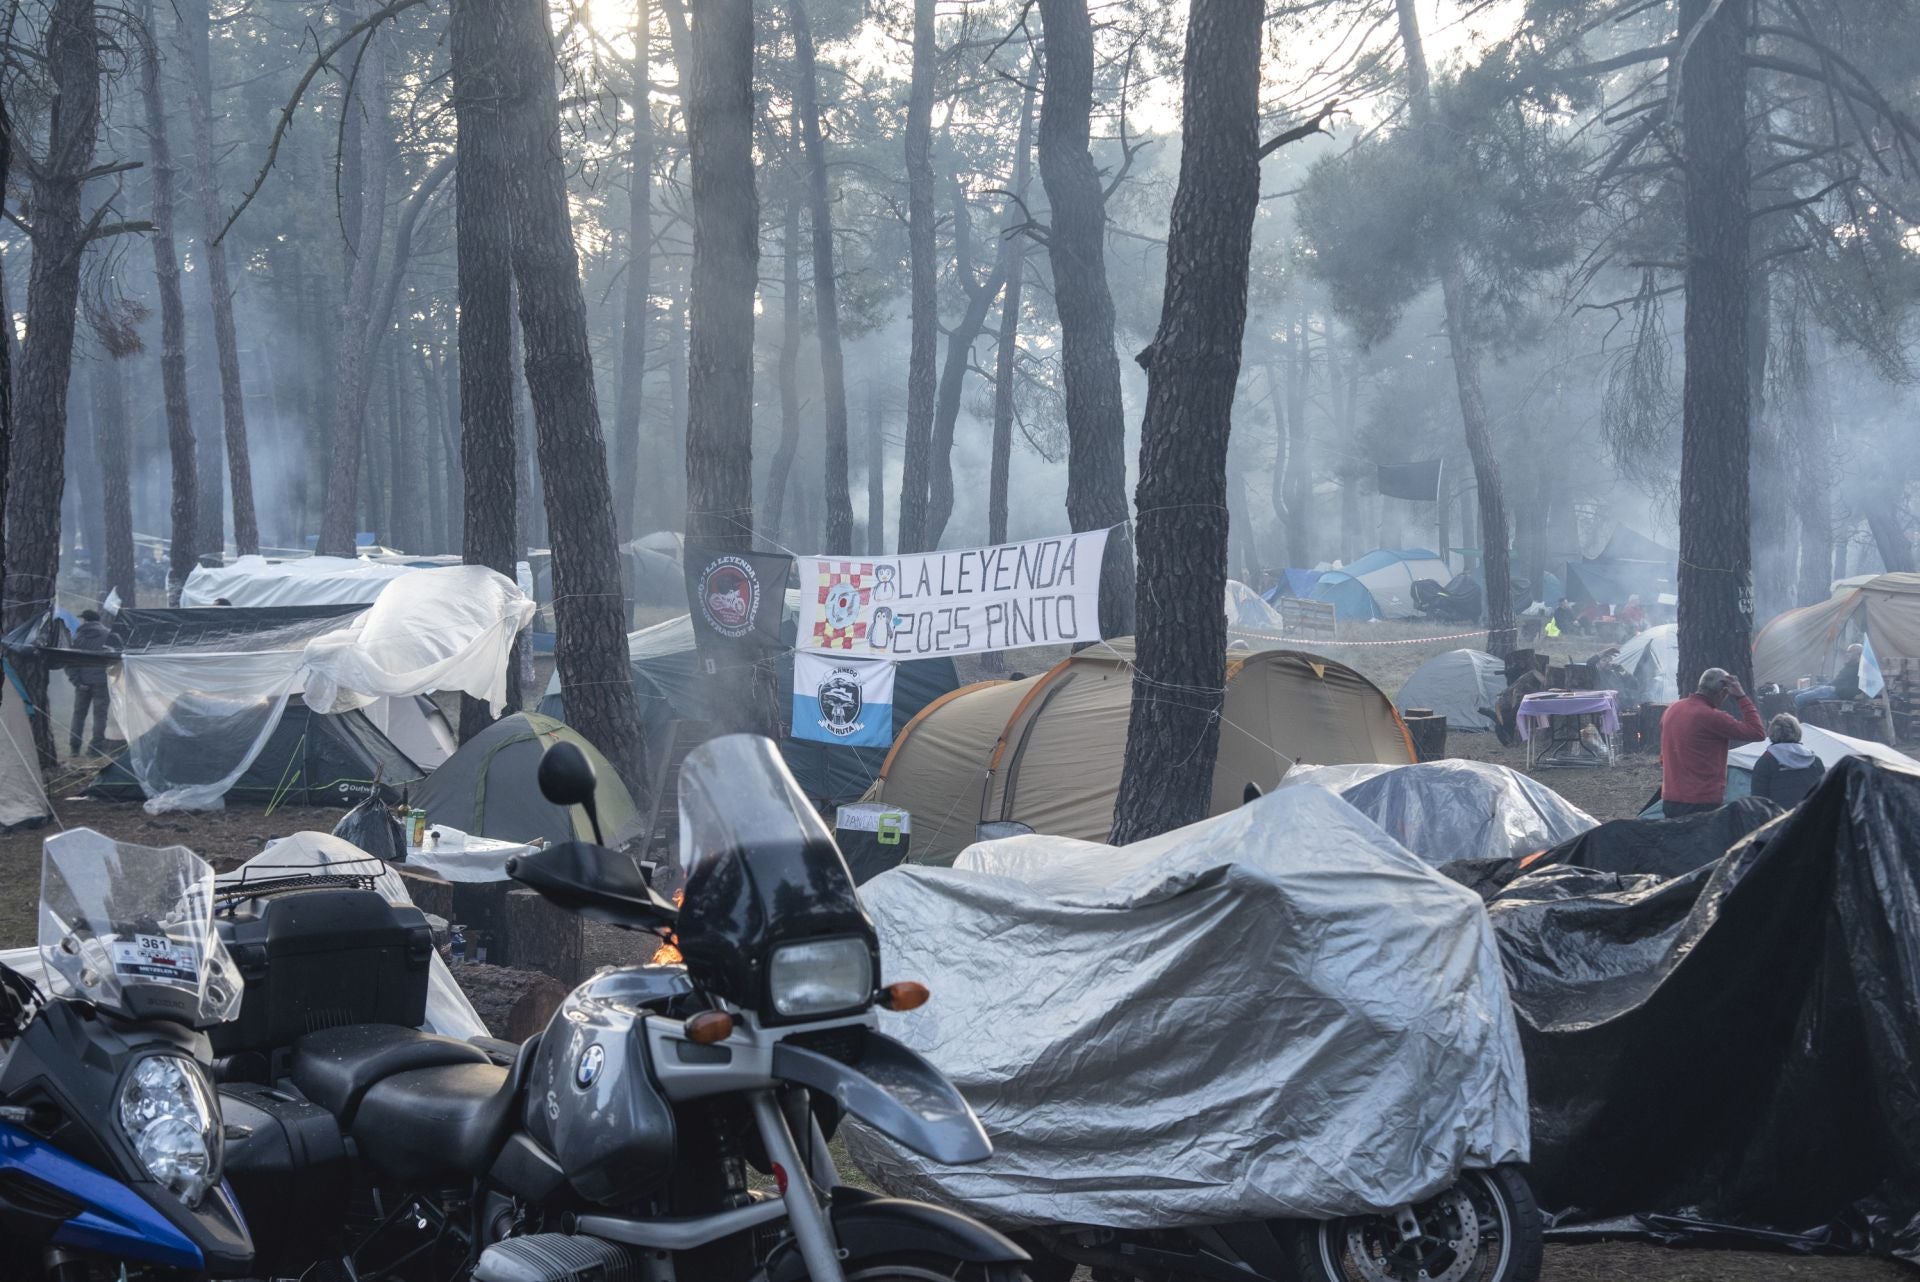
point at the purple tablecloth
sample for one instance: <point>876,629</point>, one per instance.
<point>1541,708</point>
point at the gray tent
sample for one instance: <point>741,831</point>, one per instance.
<point>489,787</point>
<point>1461,685</point>
<point>23,802</point>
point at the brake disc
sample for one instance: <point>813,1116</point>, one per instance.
<point>1446,1250</point>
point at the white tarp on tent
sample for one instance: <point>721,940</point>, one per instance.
<point>23,799</point>
<point>1460,685</point>
<point>1277,1012</point>
<point>314,580</point>
<point>442,629</point>
<point>1652,659</point>
<point>1831,748</point>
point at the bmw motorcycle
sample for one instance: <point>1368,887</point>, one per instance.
<point>621,1142</point>
<point>111,1140</point>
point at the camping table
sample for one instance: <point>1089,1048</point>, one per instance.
<point>1537,712</point>
<point>480,859</point>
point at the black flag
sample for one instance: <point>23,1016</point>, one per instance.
<point>735,597</point>
<point>1418,481</point>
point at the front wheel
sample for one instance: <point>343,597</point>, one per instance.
<point>928,1267</point>
<point>1485,1227</point>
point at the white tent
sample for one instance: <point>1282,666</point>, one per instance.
<point>314,580</point>
<point>1831,748</point>
<point>1460,685</point>
<point>23,801</point>
<point>1652,659</point>
<point>1246,609</point>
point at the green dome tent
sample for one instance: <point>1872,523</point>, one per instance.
<point>489,787</point>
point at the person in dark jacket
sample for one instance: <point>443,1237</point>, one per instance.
<point>89,685</point>
<point>1844,686</point>
<point>1788,770</point>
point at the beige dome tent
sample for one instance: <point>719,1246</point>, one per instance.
<point>1807,642</point>
<point>1046,751</point>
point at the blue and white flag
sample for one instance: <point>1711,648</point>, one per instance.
<point>844,701</point>
<point>1871,680</point>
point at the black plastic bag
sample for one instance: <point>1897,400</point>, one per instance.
<point>372,827</point>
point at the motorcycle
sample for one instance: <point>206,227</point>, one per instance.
<point>617,1142</point>
<point>110,1132</point>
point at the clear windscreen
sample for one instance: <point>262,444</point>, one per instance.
<point>736,793</point>
<point>130,928</point>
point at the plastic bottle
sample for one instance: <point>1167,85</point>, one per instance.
<point>459,947</point>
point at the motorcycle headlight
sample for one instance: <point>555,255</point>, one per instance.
<point>168,1112</point>
<point>819,977</point>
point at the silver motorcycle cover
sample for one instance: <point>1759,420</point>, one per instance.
<point>1278,1012</point>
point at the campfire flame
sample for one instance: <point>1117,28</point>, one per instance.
<point>668,953</point>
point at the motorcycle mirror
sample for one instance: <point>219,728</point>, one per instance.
<point>567,779</point>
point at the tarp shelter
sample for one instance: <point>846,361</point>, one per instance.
<point>1046,751</point>
<point>655,573</point>
<point>1738,1045</point>
<point>1276,1012</point>
<point>1652,659</point>
<point>669,687</point>
<point>1808,642</point>
<point>23,798</point>
<point>1460,685</point>
<point>1247,609</point>
<point>1447,810</point>
<point>1380,584</point>
<point>1631,564</point>
<point>313,580</point>
<point>490,787</point>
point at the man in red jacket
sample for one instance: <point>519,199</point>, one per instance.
<point>1694,735</point>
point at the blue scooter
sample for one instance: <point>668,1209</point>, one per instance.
<point>110,1132</point>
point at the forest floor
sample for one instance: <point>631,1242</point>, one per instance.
<point>229,836</point>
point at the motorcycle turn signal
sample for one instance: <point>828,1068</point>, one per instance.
<point>907,994</point>
<point>710,1026</point>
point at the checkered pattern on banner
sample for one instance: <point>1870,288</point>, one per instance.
<point>855,574</point>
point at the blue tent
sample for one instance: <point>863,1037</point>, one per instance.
<point>1293,583</point>
<point>1379,584</point>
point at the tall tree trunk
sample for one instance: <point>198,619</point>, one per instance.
<point>84,481</point>
<point>876,476</point>
<point>353,372</point>
<point>639,295</point>
<point>112,444</point>
<point>953,374</point>
<point>672,443</point>
<point>36,467</point>
<point>589,599</point>
<point>1813,497</point>
<point>1299,462</point>
<point>1716,585</point>
<point>7,341</point>
<point>182,553</point>
<point>1282,448</point>
<point>210,445</point>
<point>1461,341</point>
<point>826,289</point>
<point>924,294</point>
<point>489,437</point>
<point>726,249</point>
<point>402,497</point>
<point>1889,534</point>
<point>1013,259</point>
<point>1076,244</point>
<point>781,464</point>
<point>1771,534</point>
<point>1193,366</point>
<point>233,405</point>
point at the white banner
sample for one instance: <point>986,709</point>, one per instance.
<point>966,601</point>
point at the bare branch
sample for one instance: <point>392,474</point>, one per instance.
<point>1317,125</point>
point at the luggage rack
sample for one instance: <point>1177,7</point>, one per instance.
<point>228,894</point>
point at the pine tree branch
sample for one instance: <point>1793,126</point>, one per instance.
<point>1315,126</point>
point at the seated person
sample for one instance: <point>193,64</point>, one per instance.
<point>1633,615</point>
<point>1844,686</point>
<point>1788,770</point>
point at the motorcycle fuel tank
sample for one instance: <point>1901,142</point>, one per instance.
<point>591,1101</point>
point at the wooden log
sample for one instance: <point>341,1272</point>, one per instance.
<point>430,894</point>
<point>1650,715</point>
<point>514,1004</point>
<point>1428,730</point>
<point>543,938</point>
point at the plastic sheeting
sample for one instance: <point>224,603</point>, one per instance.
<point>196,718</point>
<point>313,580</point>
<point>1740,1044</point>
<point>1277,1012</point>
<point>1448,810</point>
<point>1460,685</point>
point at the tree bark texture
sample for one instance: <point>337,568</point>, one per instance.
<point>1013,260</point>
<point>1461,340</point>
<point>233,404</point>
<point>353,371</point>
<point>726,249</point>
<point>1076,245</point>
<point>113,444</point>
<point>1193,366</point>
<point>489,438</point>
<point>924,295</point>
<point>182,552</point>
<point>36,467</point>
<point>1716,581</point>
<point>826,289</point>
<point>781,465</point>
<point>589,599</point>
<point>639,294</point>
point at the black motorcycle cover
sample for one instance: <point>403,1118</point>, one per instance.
<point>1739,1044</point>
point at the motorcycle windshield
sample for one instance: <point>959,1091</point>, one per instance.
<point>737,794</point>
<point>130,928</point>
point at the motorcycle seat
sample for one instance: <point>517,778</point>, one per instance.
<point>449,1120</point>
<point>336,1067</point>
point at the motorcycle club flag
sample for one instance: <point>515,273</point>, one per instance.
<point>735,597</point>
<point>844,701</point>
<point>964,601</point>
